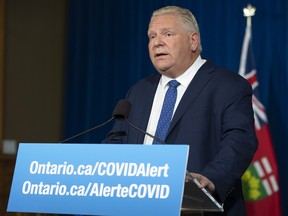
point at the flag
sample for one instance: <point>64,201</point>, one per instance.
<point>260,181</point>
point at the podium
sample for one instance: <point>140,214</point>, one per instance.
<point>88,179</point>
<point>196,201</point>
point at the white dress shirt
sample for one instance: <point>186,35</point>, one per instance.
<point>184,81</point>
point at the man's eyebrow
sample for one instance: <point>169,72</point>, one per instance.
<point>161,30</point>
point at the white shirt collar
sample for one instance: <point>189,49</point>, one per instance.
<point>185,78</point>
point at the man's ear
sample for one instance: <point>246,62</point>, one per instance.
<point>194,41</point>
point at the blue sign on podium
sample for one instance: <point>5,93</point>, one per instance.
<point>99,179</point>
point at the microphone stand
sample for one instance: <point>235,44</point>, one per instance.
<point>86,131</point>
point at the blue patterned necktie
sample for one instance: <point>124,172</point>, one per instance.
<point>167,111</point>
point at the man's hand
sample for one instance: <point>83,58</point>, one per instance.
<point>204,182</point>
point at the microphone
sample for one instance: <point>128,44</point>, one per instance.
<point>120,112</point>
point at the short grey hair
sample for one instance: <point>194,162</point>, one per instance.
<point>186,18</point>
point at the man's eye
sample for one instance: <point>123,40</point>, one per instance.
<point>168,34</point>
<point>151,37</point>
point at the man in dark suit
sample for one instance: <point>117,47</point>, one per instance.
<point>212,112</point>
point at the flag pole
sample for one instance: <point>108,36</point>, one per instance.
<point>248,12</point>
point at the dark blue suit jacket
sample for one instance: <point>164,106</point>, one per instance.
<point>215,118</point>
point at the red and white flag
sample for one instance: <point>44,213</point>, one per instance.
<point>260,181</point>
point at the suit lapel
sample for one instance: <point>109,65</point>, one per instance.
<point>146,104</point>
<point>201,78</point>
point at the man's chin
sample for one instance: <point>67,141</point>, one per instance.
<point>162,68</point>
<point>166,73</point>
<point>162,71</point>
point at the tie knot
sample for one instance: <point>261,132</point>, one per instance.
<point>173,83</point>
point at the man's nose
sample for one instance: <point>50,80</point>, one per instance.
<point>158,41</point>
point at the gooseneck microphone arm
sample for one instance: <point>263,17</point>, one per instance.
<point>120,112</point>
<point>145,132</point>
<point>86,131</point>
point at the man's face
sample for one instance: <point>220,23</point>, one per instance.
<point>171,48</point>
